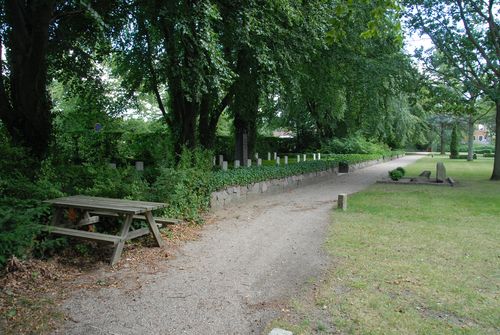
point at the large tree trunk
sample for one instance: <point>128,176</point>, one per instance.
<point>442,141</point>
<point>496,164</point>
<point>470,138</point>
<point>26,110</point>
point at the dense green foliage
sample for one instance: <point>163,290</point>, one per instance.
<point>454,143</point>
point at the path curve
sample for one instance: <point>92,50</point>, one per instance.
<point>237,276</point>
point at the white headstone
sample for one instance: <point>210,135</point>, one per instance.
<point>256,155</point>
<point>286,160</point>
<point>275,155</point>
<point>298,158</point>
<point>214,160</point>
<point>305,157</point>
<point>319,156</point>
<point>236,164</point>
<point>259,162</point>
<point>314,157</point>
<point>249,162</point>
<point>277,161</point>
<point>268,156</point>
<point>139,166</point>
<point>224,165</point>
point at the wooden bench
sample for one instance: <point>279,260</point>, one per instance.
<point>93,207</point>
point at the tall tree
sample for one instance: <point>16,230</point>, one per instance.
<point>467,33</point>
<point>24,102</point>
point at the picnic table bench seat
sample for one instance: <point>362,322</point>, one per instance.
<point>93,207</point>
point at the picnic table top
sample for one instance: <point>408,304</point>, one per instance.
<point>106,204</point>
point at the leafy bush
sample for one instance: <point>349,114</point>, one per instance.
<point>120,183</point>
<point>187,187</point>
<point>396,174</point>
<point>399,168</point>
<point>355,144</point>
<point>488,155</point>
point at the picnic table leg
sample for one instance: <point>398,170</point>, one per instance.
<point>57,214</point>
<point>123,237</point>
<point>154,228</point>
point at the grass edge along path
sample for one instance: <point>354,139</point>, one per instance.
<point>411,260</point>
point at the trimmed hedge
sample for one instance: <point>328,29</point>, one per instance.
<point>255,174</point>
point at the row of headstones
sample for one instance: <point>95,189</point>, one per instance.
<point>277,159</point>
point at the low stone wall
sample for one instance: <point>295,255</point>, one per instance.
<point>234,194</point>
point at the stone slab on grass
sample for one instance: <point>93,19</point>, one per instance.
<point>279,331</point>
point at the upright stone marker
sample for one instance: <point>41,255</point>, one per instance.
<point>275,155</point>
<point>139,166</point>
<point>314,157</point>
<point>440,172</point>
<point>286,160</point>
<point>268,156</point>
<point>221,159</point>
<point>298,158</point>
<point>214,161</point>
<point>256,155</point>
<point>319,156</point>
<point>277,161</point>
<point>249,162</point>
<point>342,201</point>
<point>305,157</point>
<point>236,164</point>
<point>259,162</point>
<point>224,166</point>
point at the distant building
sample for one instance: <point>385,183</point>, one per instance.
<point>481,135</point>
<point>283,134</point>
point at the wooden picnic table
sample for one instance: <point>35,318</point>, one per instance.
<point>90,208</point>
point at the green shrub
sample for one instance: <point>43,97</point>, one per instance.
<point>187,187</point>
<point>395,174</point>
<point>119,183</point>
<point>488,155</point>
<point>399,168</point>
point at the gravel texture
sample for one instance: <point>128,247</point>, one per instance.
<point>237,276</point>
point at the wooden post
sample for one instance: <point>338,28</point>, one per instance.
<point>342,201</point>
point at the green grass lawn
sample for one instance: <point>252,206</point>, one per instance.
<point>412,259</point>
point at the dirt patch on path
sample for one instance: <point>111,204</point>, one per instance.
<point>236,277</point>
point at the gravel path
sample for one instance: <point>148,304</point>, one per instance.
<point>237,277</point>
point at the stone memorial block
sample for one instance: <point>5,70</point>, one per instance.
<point>214,161</point>
<point>224,165</point>
<point>236,164</point>
<point>440,172</point>
<point>268,156</point>
<point>304,158</point>
<point>249,162</point>
<point>275,154</point>
<point>342,201</point>
<point>277,161</point>
<point>259,162</point>
<point>256,155</point>
<point>319,156</point>
<point>314,157</point>
<point>298,158</point>
<point>286,160</point>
